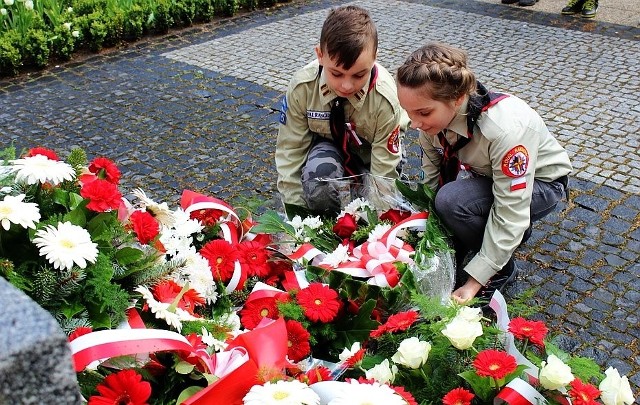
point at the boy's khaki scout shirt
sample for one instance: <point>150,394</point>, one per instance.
<point>512,145</point>
<point>376,113</point>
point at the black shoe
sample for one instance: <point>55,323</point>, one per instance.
<point>527,3</point>
<point>527,234</point>
<point>509,1</point>
<point>590,9</point>
<point>573,7</point>
<point>499,281</point>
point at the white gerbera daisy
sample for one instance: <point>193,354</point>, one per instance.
<point>40,169</point>
<point>375,393</point>
<point>160,212</point>
<point>280,393</point>
<point>65,245</point>
<point>161,310</point>
<point>13,210</point>
<point>340,255</point>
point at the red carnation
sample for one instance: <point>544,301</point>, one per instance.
<point>297,341</point>
<point>494,363</point>
<point>254,311</point>
<point>48,153</point>
<point>144,225</point>
<point>395,216</point>
<point>123,387</point>
<point>255,256</point>
<point>79,331</point>
<point>458,396</point>
<point>221,256</point>
<point>534,331</point>
<point>320,303</point>
<point>105,169</point>
<point>315,375</point>
<point>583,394</point>
<point>345,226</point>
<point>102,195</point>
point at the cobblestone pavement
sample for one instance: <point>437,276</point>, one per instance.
<point>196,110</point>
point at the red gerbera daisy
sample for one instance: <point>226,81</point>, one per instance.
<point>534,331</point>
<point>208,217</point>
<point>221,256</point>
<point>582,393</point>
<point>352,361</point>
<point>406,395</point>
<point>315,375</point>
<point>79,331</point>
<point>105,169</point>
<point>144,225</point>
<point>102,195</point>
<point>255,256</point>
<point>297,341</point>
<point>319,302</point>
<point>168,290</point>
<point>255,310</point>
<point>48,153</point>
<point>494,363</point>
<point>396,323</point>
<point>458,396</point>
<point>123,387</point>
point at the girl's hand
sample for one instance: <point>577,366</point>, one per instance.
<point>467,291</point>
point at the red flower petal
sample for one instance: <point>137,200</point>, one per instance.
<point>494,363</point>
<point>320,303</point>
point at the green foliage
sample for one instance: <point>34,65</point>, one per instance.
<point>10,56</point>
<point>225,8</point>
<point>183,12</point>
<point>62,43</point>
<point>106,301</point>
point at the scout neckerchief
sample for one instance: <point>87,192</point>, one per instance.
<point>479,102</point>
<point>353,164</point>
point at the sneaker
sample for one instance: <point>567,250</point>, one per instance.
<point>573,7</point>
<point>589,9</point>
<point>499,281</point>
<point>527,3</point>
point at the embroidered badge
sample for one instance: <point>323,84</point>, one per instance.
<point>318,115</point>
<point>515,162</point>
<point>393,143</point>
<point>283,111</point>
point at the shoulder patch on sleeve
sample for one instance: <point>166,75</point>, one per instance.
<point>283,111</point>
<point>515,162</point>
<point>393,142</point>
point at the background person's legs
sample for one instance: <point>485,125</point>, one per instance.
<point>323,162</point>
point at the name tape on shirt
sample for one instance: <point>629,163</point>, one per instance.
<point>393,143</point>
<point>516,162</point>
<point>318,115</point>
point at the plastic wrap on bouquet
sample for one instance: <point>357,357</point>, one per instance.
<point>434,274</point>
<point>380,192</point>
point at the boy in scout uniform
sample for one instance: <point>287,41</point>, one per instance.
<point>340,116</point>
<point>491,158</point>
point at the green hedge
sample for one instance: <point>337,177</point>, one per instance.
<point>36,33</point>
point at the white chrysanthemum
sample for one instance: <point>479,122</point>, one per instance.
<point>65,245</point>
<point>356,208</point>
<point>340,255</point>
<point>184,225</point>
<point>280,393</point>
<point>209,340</point>
<point>40,169</point>
<point>356,393</point>
<point>160,212</point>
<point>197,273</point>
<point>173,317</point>
<point>349,353</point>
<point>378,232</point>
<point>14,210</point>
<point>312,222</point>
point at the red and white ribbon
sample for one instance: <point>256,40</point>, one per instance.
<point>519,392</point>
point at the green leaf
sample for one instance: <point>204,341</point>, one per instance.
<point>271,222</point>
<point>357,328</point>
<point>481,386</point>
<point>61,196</point>
<point>182,367</point>
<point>100,224</point>
<point>75,200</point>
<point>187,393</point>
<point>76,216</point>
<point>128,255</point>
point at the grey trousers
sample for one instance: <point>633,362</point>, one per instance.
<point>464,206</point>
<point>324,161</point>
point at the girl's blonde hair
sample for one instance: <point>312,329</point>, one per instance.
<point>441,70</point>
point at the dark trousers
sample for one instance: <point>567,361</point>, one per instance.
<point>464,206</point>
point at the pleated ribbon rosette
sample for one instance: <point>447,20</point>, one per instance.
<point>237,367</point>
<point>374,260</point>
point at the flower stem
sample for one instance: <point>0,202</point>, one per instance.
<point>176,301</point>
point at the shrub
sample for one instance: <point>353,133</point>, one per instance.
<point>183,12</point>
<point>9,55</point>
<point>204,11</point>
<point>35,48</point>
<point>62,43</point>
<point>225,8</point>
<point>134,22</point>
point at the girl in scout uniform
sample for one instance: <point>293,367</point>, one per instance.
<point>340,116</point>
<point>492,160</point>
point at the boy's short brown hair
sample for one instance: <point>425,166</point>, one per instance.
<point>346,33</point>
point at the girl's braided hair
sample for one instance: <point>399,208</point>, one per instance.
<point>441,70</point>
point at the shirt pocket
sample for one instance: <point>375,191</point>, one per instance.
<point>319,126</point>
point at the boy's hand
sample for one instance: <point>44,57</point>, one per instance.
<point>467,291</point>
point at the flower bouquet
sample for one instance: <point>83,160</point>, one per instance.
<point>201,304</point>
